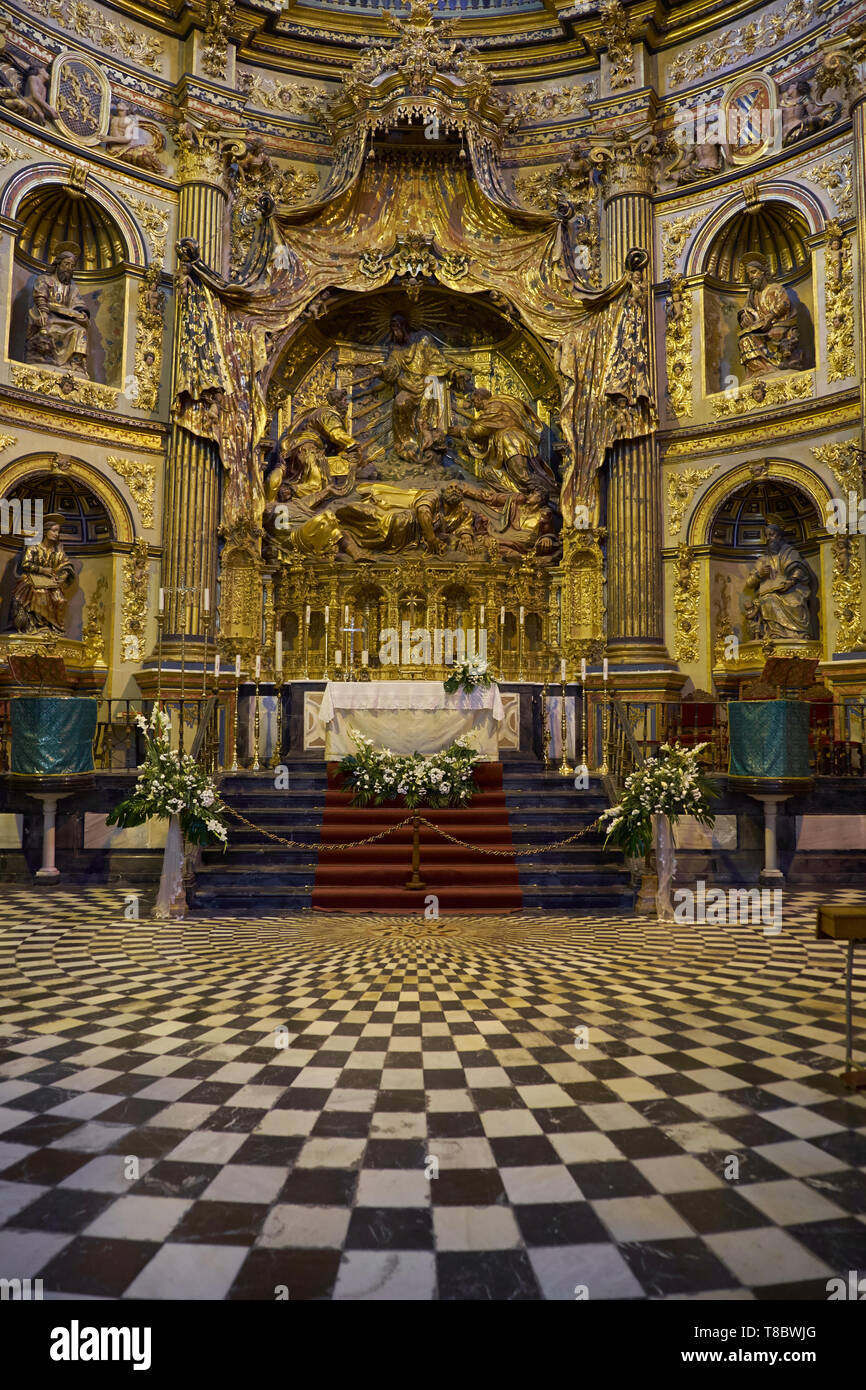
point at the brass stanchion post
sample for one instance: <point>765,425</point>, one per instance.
<point>564,767</point>
<point>416,880</point>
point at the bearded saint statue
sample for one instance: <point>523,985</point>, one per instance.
<point>778,589</point>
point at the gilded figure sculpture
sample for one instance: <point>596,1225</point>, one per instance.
<point>505,434</point>
<point>769,337</point>
<point>30,99</point>
<point>133,140</point>
<point>420,373</point>
<point>39,601</point>
<point>802,114</point>
<point>319,453</point>
<point>57,326</point>
<point>778,589</point>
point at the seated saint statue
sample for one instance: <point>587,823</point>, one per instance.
<point>769,337</point>
<point>420,374</point>
<point>38,600</point>
<point>58,317</point>
<point>507,433</point>
<point>137,144</point>
<point>319,451</point>
<point>778,589</point>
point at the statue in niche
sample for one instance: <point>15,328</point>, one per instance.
<point>58,319</point>
<point>778,589</point>
<point>506,432</point>
<point>769,337</point>
<point>134,141</point>
<point>421,374</point>
<point>320,457</point>
<point>802,115</point>
<point>39,601</point>
<point>695,162</point>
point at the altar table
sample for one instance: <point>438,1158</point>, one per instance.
<point>410,716</point>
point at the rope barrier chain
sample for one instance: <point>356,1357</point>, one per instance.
<point>422,820</point>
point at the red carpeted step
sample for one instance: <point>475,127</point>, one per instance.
<point>372,877</point>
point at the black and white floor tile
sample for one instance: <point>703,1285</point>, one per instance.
<point>433,1126</point>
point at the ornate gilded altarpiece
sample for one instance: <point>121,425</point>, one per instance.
<point>410,388</point>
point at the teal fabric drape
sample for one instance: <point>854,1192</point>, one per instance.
<point>52,736</point>
<point>769,738</point>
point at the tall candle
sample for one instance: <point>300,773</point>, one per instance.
<point>583,670</point>
<point>604,668</point>
<point>481,615</point>
<point>162,600</point>
<point>327,614</point>
<point>237,667</point>
<point>216,668</point>
<point>562,670</point>
<point>206,604</point>
<point>346,615</point>
<point>278,649</point>
<point>258,667</point>
<point>307,615</point>
<point>521,615</point>
<point>338,657</point>
<point>502,616</point>
<point>365,658</point>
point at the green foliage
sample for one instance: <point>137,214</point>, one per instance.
<point>469,674</point>
<point>376,775</point>
<point>671,785</point>
<point>169,785</point>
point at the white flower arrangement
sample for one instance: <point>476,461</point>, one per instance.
<point>468,675</point>
<point>671,785</point>
<point>443,779</point>
<point>169,785</point>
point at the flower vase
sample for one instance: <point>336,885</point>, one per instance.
<point>171,899</point>
<point>665,867</point>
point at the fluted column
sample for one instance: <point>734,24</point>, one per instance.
<point>635,614</point>
<point>858,122</point>
<point>192,476</point>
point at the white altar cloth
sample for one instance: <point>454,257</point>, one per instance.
<point>410,716</point>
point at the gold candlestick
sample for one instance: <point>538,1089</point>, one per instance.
<point>277,753</point>
<point>545,728</point>
<point>256,726</point>
<point>583,714</point>
<point>160,619</point>
<point>235,720</point>
<point>604,730</point>
<point>564,766</point>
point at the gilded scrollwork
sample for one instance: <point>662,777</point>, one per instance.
<point>93,631</point>
<point>847,590</point>
<point>839,291</point>
<point>6,442</point>
<point>836,176</point>
<point>681,490</point>
<point>678,346</point>
<point>762,394</point>
<point>846,462</point>
<point>687,587</point>
<point>134,608</point>
<point>618,33</point>
<point>219,17</point>
<point>675,237</point>
<point>108,35</point>
<point>746,40</point>
<point>64,385</point>
<point>140,477</point>
<point>549,103</point>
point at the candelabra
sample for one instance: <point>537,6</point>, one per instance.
<point>545,728</point>
<point>564,767</point>
<point>583,722</point>
<point>605,720</point>
<point>235,718</point>
<point>277,751</point>
<point>256,723</point>
<point>521,643</point>
<point>160,619</point>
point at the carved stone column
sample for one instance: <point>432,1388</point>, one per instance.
<point>635,617</point>
<point>192,476</point>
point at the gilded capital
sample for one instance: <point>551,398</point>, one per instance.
<point>629,163</point>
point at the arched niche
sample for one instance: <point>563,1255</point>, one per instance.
<point>730,523</point>
<point>779,231</point>
<point>50,214</point>
<point>88,534</point>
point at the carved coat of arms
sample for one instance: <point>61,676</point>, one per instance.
<point>81,95</point>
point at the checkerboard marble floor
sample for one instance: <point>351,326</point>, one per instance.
<point>429,1129</point>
